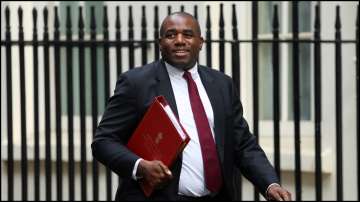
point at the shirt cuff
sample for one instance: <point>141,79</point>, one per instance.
<point>273,184</point>
<point>135,169</point>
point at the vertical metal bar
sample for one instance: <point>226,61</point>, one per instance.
<point>196,12</point>
<point>83,169</point>
<point>169,10</point>
<point>208,38</point>
<point>143,37</point>
<point>118,52</point>
<point>235,51</point>
<point>156,33</point>
<point>358,101</point>
<point>276,90</point>
<point>338,101</point>
<point>36,110</point>
<point>255,77</point>
<point>131,38</point>
<point>47,108</point>
<point>70,108</point>
<point>317,99</point>
<point>107,91</point>
<point>94,103</point>
<point>10,155</point>
<point>24,166</point>
<point>296,99</point>
<point>235,58</point>
<point>182,8</point>
<point>222,38</point>
<point>118,44</point>
<point>58,108</point>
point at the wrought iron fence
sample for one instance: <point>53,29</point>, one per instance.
<point>69,44</point>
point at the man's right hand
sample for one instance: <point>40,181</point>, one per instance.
<point>154,172</point>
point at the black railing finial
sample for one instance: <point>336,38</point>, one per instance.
<point>92,20</point>
<point>234,22</point>
<point>221,22</point>
<point>143,17</point>
<point>7,18</point>
<point>169,10</point>
<point>106,22</point>
<point>276,19</point>
<point>208,20</point>
<point>156,18</point>
<point>45,21</point>
<point>68,18</point>
<point>131,22</point>
<point>338,22</point>
<point>34,14</point>
<point>317,18</point>
<point>20,15</point>
<point>117,21</point>
<point>196,12</point>
<point>56,21</point>
<point>81,21</point>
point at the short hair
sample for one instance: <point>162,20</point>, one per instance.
<point>184,14</point>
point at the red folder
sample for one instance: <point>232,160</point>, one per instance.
<point>159,136</point>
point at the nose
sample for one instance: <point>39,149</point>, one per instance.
<point>179,40</point>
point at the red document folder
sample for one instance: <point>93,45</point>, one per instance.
<point>159,136</point>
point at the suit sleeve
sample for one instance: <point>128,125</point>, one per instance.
<point>118,122</point>
<point>249,157</point>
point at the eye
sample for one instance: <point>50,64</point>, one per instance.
<point>188,34</point>
<point>170,35</point>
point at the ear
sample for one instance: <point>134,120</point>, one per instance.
<point>201,42</point>
<point>159,42</point>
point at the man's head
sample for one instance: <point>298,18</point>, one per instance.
<point>180,40</point>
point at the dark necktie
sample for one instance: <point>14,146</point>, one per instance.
<point>212,171</point>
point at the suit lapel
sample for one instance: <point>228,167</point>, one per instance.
<point>214,95</point>
<point>164,86</point>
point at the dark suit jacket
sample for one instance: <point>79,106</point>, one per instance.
<point>133,94</point>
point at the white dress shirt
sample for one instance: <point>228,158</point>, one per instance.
<point>192,182</point>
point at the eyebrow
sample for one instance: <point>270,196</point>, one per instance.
<point>184,31</point>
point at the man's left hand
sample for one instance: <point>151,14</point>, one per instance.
<point>277,193</point>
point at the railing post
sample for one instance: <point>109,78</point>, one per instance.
<point>82,103</point>
<point>47,109</point>
<point>70,101</point>
<point>94,98</point>
<point>338,103</point>
<point>222,40</point>
<point>208,38</point>
<point>276,90</point>
<point>317,104</point>
<point>10,150</point>
<point>36,109</point>
<point>24,166</point>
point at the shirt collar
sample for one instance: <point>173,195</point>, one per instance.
<point>178,73</point>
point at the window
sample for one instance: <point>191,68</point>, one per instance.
<point>74,5</point>
<point>266,11</point>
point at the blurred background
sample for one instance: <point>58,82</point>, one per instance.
<point>295,65</point>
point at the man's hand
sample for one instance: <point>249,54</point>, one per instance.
<point>154,172</point>
<point>277,193</point>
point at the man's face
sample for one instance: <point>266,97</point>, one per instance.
<point>181,42</point>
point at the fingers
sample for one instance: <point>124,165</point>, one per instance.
<point>158,174</point>
<point>165,169</point>
<point>286,196</point>
<point>279,194</point>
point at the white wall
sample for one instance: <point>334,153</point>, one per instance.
<point>348,15</point>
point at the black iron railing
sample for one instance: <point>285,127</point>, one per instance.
<point>69,44</point>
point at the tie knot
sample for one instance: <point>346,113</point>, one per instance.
<point>187,75</point>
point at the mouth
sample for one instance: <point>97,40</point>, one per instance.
<point>181,52</point>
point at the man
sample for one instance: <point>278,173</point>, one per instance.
<point>208,107</point>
